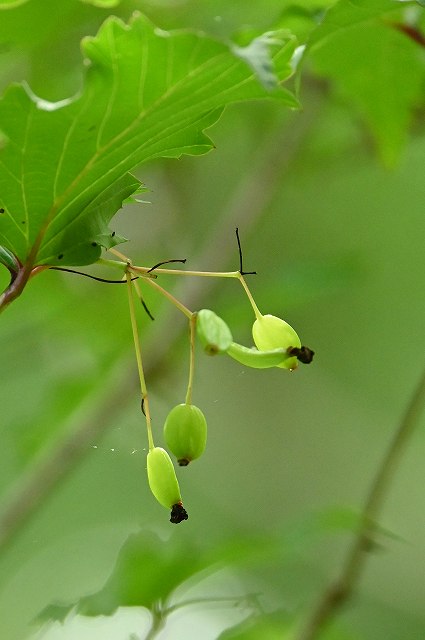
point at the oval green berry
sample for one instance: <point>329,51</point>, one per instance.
<point>185,432</point>
<point>213,332</point>
<point>257,359</point>
<point>270,332</point>
<point>163,483</point>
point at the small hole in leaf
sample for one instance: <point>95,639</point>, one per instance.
<point>60,256</point>
<point>2,210</point>
<point>94,244</point>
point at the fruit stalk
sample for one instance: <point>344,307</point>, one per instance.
<point>138,350</point>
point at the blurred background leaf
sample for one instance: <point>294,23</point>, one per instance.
<point>386,68</point>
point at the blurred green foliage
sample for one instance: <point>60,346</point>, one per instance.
<point>336,238</point>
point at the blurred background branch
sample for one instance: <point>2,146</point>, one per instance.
<point>340,590</point>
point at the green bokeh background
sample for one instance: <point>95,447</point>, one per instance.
<point>337,242</point>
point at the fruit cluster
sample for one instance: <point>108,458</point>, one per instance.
<point>185,428</point>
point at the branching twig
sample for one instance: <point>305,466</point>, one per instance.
<point>157,624</point>
<point>160,611</point>
<point>250,198</point>
<point>341,589</point>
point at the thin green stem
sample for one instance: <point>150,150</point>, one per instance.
<point>145,271</point>
<point>251,599</point>
<point>182,272</point>
<point>205,274</point>
<point>138,351</point>
<point>119,255</point>
<point>158,622</point>
<point>138,291</point>
<point>160,612</point>
<point>187,312</point>
<point>116,264</point>
<point>258,315</point>
<point>192,326</point>
<point>123,266</point>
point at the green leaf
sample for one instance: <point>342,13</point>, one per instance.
<point>349,13</point>
<point>147,571</point>
<point>147,94</point>
<point>279,625</point>
<point>11,4</point>
<point>271,626</point>
<point>373,66</point>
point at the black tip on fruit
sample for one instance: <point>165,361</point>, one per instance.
<point>183,462</point>
<point>303,354</point>
<point>178,513</point>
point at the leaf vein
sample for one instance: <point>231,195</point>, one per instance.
<point>115,74</point>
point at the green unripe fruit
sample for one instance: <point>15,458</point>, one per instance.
<point>213,332</point>
<point>257,359</point>
<point>270,332</point>
<point>185,432</point>
<point>162,478</point>
<point>163,483</point>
